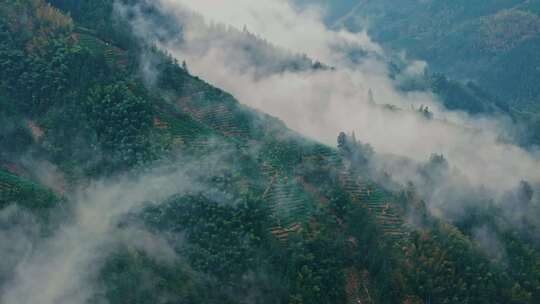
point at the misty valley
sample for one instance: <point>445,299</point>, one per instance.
<point>270,151</point>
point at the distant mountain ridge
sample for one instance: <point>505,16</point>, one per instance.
<point>442,33</point>
<point>494,44</point>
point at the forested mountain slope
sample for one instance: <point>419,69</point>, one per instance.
<point>90,150</point>
<point>461,38</point>
<point>492,43</point>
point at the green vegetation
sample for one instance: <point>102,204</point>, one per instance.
<point>492,46</point>
<point>25,193</point>
<point>121,121</point>
<point>280,219</point>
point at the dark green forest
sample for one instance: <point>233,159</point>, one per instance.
<point>278,219</point>
<point>493,45</point>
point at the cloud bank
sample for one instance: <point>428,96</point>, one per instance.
<point>321,103</point>
<point>62,268</point>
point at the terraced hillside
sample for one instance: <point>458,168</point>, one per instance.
<point>219,117</point>
<point>261,213</point>
<point>288,204</point>
<point>380,204</point>
<point>182,131</point>
<point>113,55</point>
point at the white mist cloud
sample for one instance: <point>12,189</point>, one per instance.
<point>320,104</point>
<point>61,269</point>
<point>489,243</point>
<point>19,232</point>
<point>277,21</point>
